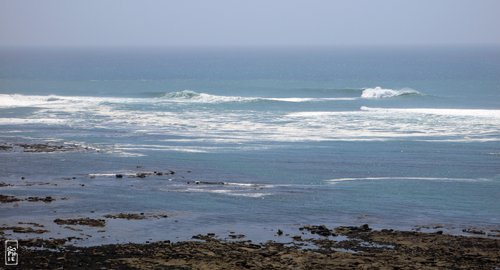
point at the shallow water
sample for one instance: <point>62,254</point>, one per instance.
<point>393,138</point>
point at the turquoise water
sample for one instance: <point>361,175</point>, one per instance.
<point>391,137</point>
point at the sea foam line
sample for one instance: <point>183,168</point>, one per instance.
<point>435,111</point>
<point>444,179</point>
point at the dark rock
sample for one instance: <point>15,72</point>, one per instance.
<point>125,216</point>
<point>143,174</point>
<point>24,230</point>
<point>280,232</point>
<point>236,236</point>
<point>8,199</point>
<point>319,230</point>
<point>473,231</point>
<point>365,227</point>
<point>37,199</point>
<point>205,183</point>
<point>81,221</point>
<point>119,175</point>
<point>297,238</point>
<point>5,147</point>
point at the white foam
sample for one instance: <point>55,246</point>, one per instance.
<point>444,112</point>
<point>379,92</point>
<point>336,180</point>
<point>211,130</point>
<point>189,96</point>
<point>308,99</point>
<point>25,121</point>
<point>315,114</point>
<point>229,192</point>
<point>248,185</point>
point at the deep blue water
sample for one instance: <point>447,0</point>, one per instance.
<point>394,137</point>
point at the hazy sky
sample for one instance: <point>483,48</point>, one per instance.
<point>248,23</point>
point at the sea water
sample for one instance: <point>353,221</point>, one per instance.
<point>393,137</point>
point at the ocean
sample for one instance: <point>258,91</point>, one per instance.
<point>259,139</point>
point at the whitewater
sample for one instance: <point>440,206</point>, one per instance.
<point>256,139</point>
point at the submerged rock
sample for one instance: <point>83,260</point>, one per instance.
<point>473,231</point>
<point>8,199</point>
<point>81,221</point>
<point>318,229</point>
<point>42,199</point>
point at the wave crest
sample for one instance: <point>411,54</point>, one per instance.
<point>195,97</point>
<point>379,92</point>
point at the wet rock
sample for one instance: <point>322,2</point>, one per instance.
<point>413,251</point>
<point>352,229</point>
<point>125,216</point>
<point>365,228</point>
<point>208,237</point>
<point>81,221</point>
<point>17,229</point>
<point>143,174</point>
<point>41,199</point>
<point>119,175</point>
<point>49,147</point>
<point>236,236</point>
<point>5,147</point>
<point>319,230</point>
<point>31,223</point>
<point>297,238</point>
<point>280,232</point>
<point>8,199</point>
<point>473,231</point>
<point>205,183</point>
<point>133,216</point>
<point>73,229</point>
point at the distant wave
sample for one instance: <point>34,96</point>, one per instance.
<point>17,100</point>
<point>195,97</point>
<point>185,96</point>
<point>192,96</point>
<point>379,92</point>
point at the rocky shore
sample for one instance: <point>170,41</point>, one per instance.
<point>45,245</point>
<point>353,248</point>
<point>42,147</point>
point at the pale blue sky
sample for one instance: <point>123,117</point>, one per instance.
<point>248,23</point>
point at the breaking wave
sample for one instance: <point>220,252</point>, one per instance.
<point>379,92</point>
<point>195,97</point>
